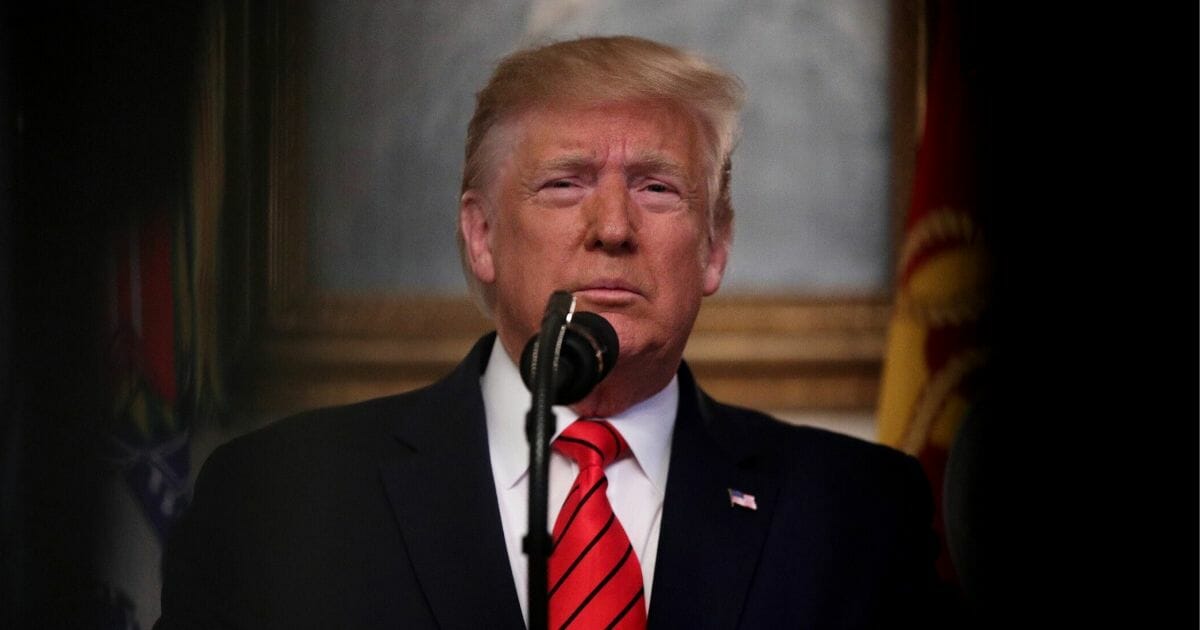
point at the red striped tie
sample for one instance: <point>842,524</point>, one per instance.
<point>594,576</point>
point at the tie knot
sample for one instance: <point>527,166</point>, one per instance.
<point>591,442</point>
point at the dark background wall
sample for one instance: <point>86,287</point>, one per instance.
<point>1090,168</point>
<point>95,104</point>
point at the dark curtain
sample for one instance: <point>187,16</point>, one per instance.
<point>96,117</point>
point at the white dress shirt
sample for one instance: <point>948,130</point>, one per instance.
<point>635,484</point>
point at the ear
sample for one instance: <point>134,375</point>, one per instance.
<point>474,222</point>
<point>718,257</point>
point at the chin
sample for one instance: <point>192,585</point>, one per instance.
<point>627,334</point>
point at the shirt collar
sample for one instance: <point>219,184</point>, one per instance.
<point>646,426</point>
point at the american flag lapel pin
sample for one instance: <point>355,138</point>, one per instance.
<point>737,498</point>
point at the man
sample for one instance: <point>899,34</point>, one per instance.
<point>599,166</point>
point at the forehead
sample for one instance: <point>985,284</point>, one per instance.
<point>632,130</point>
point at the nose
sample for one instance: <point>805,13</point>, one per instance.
<point>610,214</point>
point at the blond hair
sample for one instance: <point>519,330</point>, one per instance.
<point>600,70</point>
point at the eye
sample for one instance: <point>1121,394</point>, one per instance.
<point>657,187</point>
<point>656,195</point>
<point>560,184</point>
<point>562,192</point>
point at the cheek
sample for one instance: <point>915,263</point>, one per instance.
<point>544,243</point>
<point>516,240</point>
<point>525,263</point>
<point>690,246</point>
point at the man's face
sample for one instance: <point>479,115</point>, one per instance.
<point>609,203</point>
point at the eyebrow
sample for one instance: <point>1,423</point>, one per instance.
<point>656,163</point>
<point>649,162</point>
<point>571,162</point>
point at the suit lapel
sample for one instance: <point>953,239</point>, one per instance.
<point>708,549</point>
<point>444,499</point>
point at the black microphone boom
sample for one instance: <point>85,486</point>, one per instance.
<point>589,351</point>
<point>561,364</point>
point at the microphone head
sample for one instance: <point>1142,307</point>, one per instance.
<point>589,352</point>
<point>601,338</point>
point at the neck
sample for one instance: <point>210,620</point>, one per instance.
<point>623,389</point>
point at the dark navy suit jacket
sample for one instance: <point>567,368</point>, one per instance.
<point>383,514</point>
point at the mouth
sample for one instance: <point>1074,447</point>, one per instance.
<point>607,293</point>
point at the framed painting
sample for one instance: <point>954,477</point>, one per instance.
<point>363,293</point>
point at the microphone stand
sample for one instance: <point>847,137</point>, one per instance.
<point>539,427</point>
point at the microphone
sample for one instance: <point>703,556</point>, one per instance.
<point>589,351</point>
<point>561,364</point>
